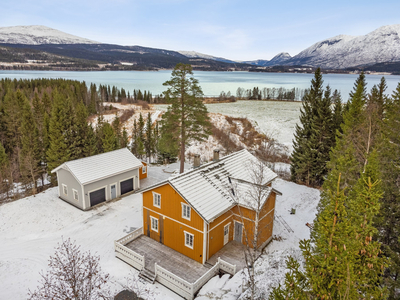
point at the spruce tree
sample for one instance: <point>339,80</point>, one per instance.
<point>337,115</point>
<point>60,132</point>
<point>149,140</point>
<point>388,220</point>
<point>109,140</point>
<point>186,118</point>
<point>31,150</point>
<point>303,159</point>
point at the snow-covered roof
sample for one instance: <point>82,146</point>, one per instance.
<point>93,168</point>
<point>208,188</point>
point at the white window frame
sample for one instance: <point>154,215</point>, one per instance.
<point>155,195</point>
<point>144,169</point>
<point>77,194</point>
<point>65,188</point>
<point>155,222</point>
<point>184,207</point>
<point>188,234</point>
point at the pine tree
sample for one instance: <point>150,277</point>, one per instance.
<point>4,174</point>
<point>186,118</point>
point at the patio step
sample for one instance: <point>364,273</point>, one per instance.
<point>147,275</point>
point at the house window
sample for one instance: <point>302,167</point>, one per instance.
<point>157,200</point>
<point>185,211</point>
<point>154,224</point>
<point>189,238</point>
<point>76,195</point>
<point>65,189</point>
<point>144,170</point>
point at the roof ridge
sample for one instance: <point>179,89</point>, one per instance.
<point>82,158</point>
<point>209,163</point>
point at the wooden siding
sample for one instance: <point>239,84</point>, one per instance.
<point>172,222</point>
<point>141,175</point>
<point>216,232</point>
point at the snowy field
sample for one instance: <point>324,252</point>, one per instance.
<point>277,119</point>
<point>30,228</point>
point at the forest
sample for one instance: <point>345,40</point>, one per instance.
<point>44,122</point>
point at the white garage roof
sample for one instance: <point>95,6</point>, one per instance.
<point>93,168</point>
<point>208,189</point>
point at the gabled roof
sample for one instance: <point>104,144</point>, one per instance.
<point>208,189</point>
<point>93,168</point>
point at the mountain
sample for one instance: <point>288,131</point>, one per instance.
<point>37,35</point>
<point>343,51</point>
<point>193,54</point>
<point>277,60</point>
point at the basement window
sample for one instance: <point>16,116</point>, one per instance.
<point>189,238</point>
<point>65,189</point>
<point>154,224</point>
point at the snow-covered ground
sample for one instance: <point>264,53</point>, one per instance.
<point>31,227</point>
<point>271,266</point>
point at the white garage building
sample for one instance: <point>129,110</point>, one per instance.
<point>89,181</point>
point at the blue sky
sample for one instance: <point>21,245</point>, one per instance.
<point>240,30</point>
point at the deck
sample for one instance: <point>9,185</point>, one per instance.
<point>233,253</point>
<point>175,262</point>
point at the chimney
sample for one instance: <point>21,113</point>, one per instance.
<point>216,155</point>
<point>196,162</point>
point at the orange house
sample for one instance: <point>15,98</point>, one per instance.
<point>196,213</point>
<point>143,170</point>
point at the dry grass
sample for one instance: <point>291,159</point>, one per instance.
<point>143,104</point>
<point>126,115</point>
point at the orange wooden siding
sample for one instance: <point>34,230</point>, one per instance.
<point>141,175</point>
<point>173,223</point>
<point>216,232</point>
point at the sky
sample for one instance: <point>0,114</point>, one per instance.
<point>237,30</point>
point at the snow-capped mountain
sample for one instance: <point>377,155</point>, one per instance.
<point>343,51</point>
<point>38,35</point>
<point>194,54</point>
<point>279,59</point>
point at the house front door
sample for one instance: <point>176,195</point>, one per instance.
<point>113,191</point>
<point>226,234</point>
<point>238,231</point>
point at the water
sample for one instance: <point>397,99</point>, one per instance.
<point>212,83</point>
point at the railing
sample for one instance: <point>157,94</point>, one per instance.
<point>205,278</point>
<point>129,256</point>
<point>134,259</point>
<point>180,286</point>
<point>227,267</point>
<point>175,283</point>
<point>131,236</point>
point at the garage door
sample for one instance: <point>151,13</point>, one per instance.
<point>126,186</point>
<point>97,197</point>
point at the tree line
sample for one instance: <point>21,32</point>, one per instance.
<point>353,152</point>
<point>294,94</point>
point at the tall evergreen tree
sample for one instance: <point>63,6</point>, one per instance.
<point>310,137</point>
<point>341,260</point>
<point>109,140</point>
<point>149,140</point>
<point>388,220</point>
<point>60,132</point>
<point>186,118</point>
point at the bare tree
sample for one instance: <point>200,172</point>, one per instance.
<point>72,275</point>
<point>141,289</point>
<point>251,200</point>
